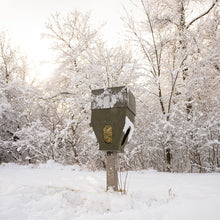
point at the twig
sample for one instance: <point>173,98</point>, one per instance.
<point>203,14</point>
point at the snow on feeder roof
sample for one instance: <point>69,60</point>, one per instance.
<point>112,98</point>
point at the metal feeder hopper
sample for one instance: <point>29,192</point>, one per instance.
<point>113,112</point>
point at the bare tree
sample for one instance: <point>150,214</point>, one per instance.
<point>166,42</point>
<point>12,64</point>
<point>176,61</point>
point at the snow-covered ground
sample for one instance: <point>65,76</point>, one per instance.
<point>52,191</point>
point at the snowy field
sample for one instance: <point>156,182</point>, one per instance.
<point>52,191</point>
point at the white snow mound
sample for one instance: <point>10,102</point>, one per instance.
<point>52,191</point>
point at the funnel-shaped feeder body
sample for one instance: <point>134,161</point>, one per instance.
<point>113,112</point>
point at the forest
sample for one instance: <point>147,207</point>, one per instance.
<point>170,61</point>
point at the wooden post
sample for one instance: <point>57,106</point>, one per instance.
<point>112,170</point>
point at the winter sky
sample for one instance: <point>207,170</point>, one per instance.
<point>25,21</point>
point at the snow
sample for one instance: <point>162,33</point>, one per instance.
<point>108,99</point>
<point>52,191</point>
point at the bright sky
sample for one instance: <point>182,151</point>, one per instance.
<point>25,19</point>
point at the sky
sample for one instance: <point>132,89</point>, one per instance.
<point>24,20</point>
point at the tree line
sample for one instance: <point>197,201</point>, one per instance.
<point>170,60</point>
